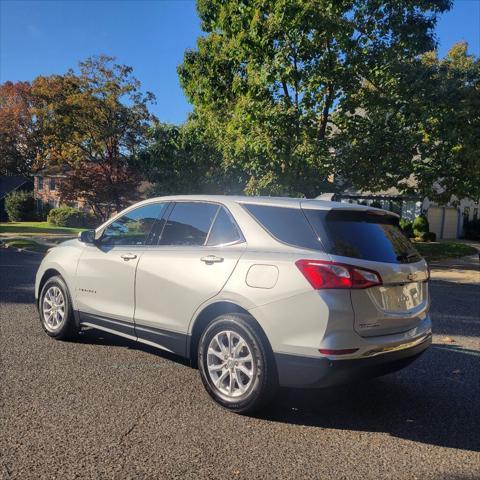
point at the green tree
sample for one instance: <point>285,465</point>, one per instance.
<point>94,121</point>
<point>184,160</point>
<point>420,131</point>
<point>267,74</point>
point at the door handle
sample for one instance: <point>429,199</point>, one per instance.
<point>128,256</point>
<point>209,259</point>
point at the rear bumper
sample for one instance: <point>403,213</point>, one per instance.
<point>310,372</point>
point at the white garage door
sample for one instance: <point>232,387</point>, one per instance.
<point>435,215</point>
<point>443,221</point>
<point>450,223</point>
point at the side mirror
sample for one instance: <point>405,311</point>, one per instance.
<point>87,236</point>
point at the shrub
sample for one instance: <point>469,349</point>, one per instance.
<point>65,216</point>
<point>420,225</point>
<point>407,227</point>
<point>472,229</point>
<point>20,206</point>
<point>426,237</point>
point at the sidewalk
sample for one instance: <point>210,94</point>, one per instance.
<point>460,270</point>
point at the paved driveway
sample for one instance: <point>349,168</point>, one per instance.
<point>102,407</point>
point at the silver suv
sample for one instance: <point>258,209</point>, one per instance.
<point>257,292</point>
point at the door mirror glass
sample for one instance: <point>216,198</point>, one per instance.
<point>87,236</point>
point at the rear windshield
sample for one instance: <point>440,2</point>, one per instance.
<point>366,235</point>
<point>356,234</point>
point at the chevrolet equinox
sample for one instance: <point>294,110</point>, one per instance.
<point>256,292</point>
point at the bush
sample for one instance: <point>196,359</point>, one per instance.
<point>472,229</point>
<point>65,216</point>
<point>20,206</point>
<point>426,237</point>
<point>407,227</point>
<point>420,225</point>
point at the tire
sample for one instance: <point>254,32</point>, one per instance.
<point>224,371</point>
<point>55,295</point>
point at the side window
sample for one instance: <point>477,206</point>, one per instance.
<point>289,225</point>
<point>224,229</point>
<point>134,227</point>
<point>188,224</point>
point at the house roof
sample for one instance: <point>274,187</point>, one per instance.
<point>9,183</point>
<point>52,171</point>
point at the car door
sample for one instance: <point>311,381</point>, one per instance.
<point>198,249</point>
<point>105,290</point>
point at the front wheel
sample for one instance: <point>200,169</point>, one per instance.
<point>55,309</point>
<point>236,364</point>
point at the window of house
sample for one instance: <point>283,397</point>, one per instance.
<point>40,183</point>
<point>188,223</point>
<point>475,213</point>
<point>466,213</point>
<point>134,227</point>
<point>53,184</point>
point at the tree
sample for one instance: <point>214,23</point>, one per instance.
<point>19,132</point>
<point>420,131</point>
<point>94,122</point>
<point>267,75</point>
<point>183,159</point>
<point>105,188</point>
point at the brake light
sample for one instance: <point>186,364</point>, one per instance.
<point>327,275</point>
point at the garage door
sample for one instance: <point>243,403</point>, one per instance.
<point>443,221</point>
<point>450,223</point>
<point>435,215</point>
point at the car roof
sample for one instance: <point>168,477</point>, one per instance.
<point>272,201</point>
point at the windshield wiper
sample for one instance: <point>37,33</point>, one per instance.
<point>406,256</point>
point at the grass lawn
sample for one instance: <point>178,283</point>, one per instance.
<point>34,228</point>
<point>439,250</point>
<point>27,244</point>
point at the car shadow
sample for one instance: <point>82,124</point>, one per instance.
<point>97,337</point>
<point>435,401</point>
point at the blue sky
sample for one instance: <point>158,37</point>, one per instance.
<point>41,37</point>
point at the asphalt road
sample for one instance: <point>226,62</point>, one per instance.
<point>102,407</point>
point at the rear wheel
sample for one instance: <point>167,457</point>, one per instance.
<point>55,308</point>
<point>236,365</point>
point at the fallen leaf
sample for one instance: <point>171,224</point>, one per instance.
<point>448,340</point>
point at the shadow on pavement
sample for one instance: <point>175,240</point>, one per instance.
<point>434,401</point>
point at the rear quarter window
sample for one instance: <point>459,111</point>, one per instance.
<point>288,225</point>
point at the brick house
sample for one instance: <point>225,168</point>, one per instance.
<point>46,190</point>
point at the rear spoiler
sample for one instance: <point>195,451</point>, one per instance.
<point>347,207</point>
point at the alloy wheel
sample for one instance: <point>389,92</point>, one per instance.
<point>53,308</point>
<point>230,363</point>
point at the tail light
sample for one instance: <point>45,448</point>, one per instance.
<point>327,275</point>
